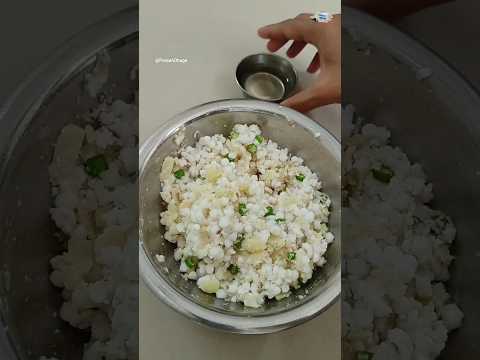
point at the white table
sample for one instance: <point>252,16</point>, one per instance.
<point>213,36</point>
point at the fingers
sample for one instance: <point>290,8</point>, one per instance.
<point>314,64</point>
<point>280,33</point>
<point>303,31</point>
<point>274,44</point>
<point>313,97</point>
<point>304,16</point>
<point>296,48</point>
<point>291,29</point>
<point>303,101</point>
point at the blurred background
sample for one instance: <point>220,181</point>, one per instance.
<point>30,31</point>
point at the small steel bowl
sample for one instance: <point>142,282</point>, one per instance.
<point>266,77</point>
<point>303,137</point>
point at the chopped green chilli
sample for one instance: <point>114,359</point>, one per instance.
<point>269,211</point>
<point>252,148</point>
<point>179,173</point>
<point>242,209</point>
<point>96,165</point>
<point>384,174</point>
<point>234,269</point>
<point>237,245</point>
<point>364,355</point>
<point>300,177</point>
<point>259,139</point>
<point>191,262</point>
<point>231,159</point>
<point>291,256</point>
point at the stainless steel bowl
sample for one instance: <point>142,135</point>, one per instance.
<point>267,77</point>
<point>303,137</point>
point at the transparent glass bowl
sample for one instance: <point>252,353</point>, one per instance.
<point>303,137</point>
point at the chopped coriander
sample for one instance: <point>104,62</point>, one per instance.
<point>96,165</point>
<point>300,177</point>
<point>237,245</point>
<point>242,209</point>
<point>233,135</point>
<point>291,256</point>
<point>384,174</point>
<point>191,262</point>
<point>364,355</point>
<point>179,173</point>
<point>252,148</point>
<point>259,139</point>
<point>269,211</point>
<point>279,220</point>
<point>234,269</point>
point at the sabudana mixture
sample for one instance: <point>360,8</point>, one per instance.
<point>249,219</point>
<point>93,177</point>
<point>396,252</point>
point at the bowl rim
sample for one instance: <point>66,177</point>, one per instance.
<point>224,321</point>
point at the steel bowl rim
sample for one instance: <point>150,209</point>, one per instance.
<point>230,322</point>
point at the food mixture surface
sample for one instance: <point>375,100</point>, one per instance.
<point>249,219</point>
<point>396,252</point>
<point>94,186</point>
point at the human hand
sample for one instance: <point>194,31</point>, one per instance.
<point>326,37</point>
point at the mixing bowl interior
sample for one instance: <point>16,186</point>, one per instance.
<point>435,121</point>
<point>320,155</point>
<point>28,237</point>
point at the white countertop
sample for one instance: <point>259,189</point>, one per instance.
<point>214,36</point>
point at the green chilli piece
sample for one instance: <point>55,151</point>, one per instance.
<point>279,221</point>
<point>252,148</point>
<point>229,158</point>
<point>384,174</point>
<point>191,262</point>
<point>242,209</point>
<point>269,211</point>
<point>291,255</point>
<point>300,177</point>
<point>96,165</point>
<point>364,355</point>
<point>259,139</point>
<point>179,173</point>
<point>237,245</point>
<point>234,269</point>
<point>233,135</point>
